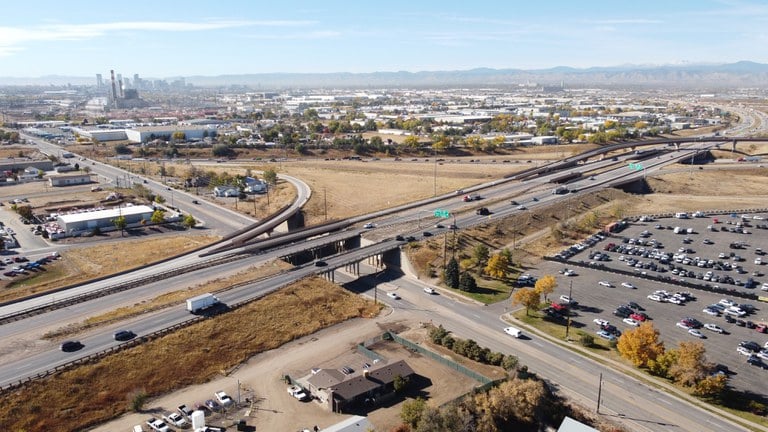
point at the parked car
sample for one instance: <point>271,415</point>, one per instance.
<point>600,322</point>
<point>713,327</point>
<point>185,410</point>
<point>630,321</point>
<point>605,335</point>
<point>157,425</point>
<point>628,285</point>
<point>223,398</point>
<point>698,334</point>
<point>176,419</point>
<point>605,284</point>
<point>213,405</point>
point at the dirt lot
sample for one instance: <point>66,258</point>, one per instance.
<point>260,377</point>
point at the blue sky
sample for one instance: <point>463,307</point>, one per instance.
<point>174,38</point>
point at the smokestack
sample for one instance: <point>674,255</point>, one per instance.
<point>122,94</point>
<point>114,88</point>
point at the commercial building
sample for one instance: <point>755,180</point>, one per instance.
<point>69,179</point>
<point>100,134</point>
<point>149,133</point>
<point>87,221</point>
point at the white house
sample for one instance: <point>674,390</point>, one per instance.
<point>226,191</point>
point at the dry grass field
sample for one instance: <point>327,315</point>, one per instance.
<point>91,394</point>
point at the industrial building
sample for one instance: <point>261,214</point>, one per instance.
<point>149,133</point>
<point>100,134</point>
<point>69,179</point>
<point>83,222</point>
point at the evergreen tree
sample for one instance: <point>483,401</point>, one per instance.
<point>451,273</point>
<point>467,282</point>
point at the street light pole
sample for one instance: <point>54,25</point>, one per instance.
<point>570,299</point>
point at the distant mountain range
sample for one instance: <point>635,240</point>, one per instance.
<point>700,76</point>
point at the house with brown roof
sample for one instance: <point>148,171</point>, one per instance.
<point>338,391</point>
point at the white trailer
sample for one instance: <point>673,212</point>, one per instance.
<point>203,301</point>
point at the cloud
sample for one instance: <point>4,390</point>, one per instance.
<point>629,21</point>
<point>328,34</point>
<point>13,39</point>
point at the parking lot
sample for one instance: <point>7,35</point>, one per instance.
<point>650,256</point>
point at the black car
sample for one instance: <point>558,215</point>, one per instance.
<point>622,313</point>
<point>750,345</point>
<point>635,306</point>
<point>410,238</point>
<point>124,335</point>
<point>755,361</point>
<point>399,237</point>
<point>195,202</point>
<point>426,234</point>
<point>320,263</point>
<point>730,319</point>
<point>69,346</point>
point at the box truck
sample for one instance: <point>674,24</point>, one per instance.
<point>204,301</point>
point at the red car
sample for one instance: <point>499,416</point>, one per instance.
<point>639,316</point>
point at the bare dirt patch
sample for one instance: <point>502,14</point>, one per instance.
<point>72,400</point>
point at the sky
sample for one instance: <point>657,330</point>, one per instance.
<point>161,39</point>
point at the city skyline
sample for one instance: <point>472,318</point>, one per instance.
<point>165,40</point>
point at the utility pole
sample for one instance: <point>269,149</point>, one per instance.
<point>570,299</point>
<point>599,392</point>
<point>325,203</point>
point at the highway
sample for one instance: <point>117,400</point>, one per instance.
<point>621,395</point>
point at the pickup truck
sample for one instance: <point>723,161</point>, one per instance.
<point>298,393</point>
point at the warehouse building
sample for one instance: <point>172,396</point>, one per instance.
<point>69,179</point>
<point>83,222</point>
<point>149,133</point>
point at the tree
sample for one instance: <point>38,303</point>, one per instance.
<point>270,176</point>
<point>399,383</point>
<point>546,285</point>
<point>528,297</point>
<point>641,344</point>
<point>120,223</point>
<point>138,400</point>
<point>189,221</point>
<point>178,136</point>
<point>411,142</point>
<point>467,282</point>
<point>691,365</point>
<point>498,266</point>
<point>451,273</point>
<point>25,211</point>
<point>480,254</point>
<point>711,386</point>
<point>412,411</point>
<point>220,150</point>
<point>158,217</point>
<point>660,366</point>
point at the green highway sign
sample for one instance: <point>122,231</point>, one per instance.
<point>442,213</point>
<point>636,166</point>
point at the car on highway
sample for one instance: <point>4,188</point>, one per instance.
<point>157,425</point>
<point>628,285</point>
<point>320,263</point>
<point>697,333</point>
<point>70,345</point>
<point>195,202</point>
<point>429,290</point>
<point>521,207</point>
<point>632,322</point>
<point>123,335</point>
<point>713,327</point>
<point>176,419</point>
<point>426,234</point>
<point>605,284</point>
<point>513,331</point>
<point>393,296</point>
<point>369,225</point>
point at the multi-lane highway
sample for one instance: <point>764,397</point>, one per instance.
<point>650,409</point>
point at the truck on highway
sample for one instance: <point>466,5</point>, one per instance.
<point>203,301</point>
<point>471,197</point>
<point>560,190</point>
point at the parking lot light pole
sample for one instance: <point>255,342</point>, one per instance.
<point>570,300</point>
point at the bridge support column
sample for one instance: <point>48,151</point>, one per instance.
<point>677,146</point>
<point>733,146</point>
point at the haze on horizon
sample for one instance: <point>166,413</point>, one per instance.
<point>162,39</point>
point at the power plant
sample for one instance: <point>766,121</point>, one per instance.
<point>121,97</point>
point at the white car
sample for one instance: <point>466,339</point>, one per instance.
<point>630,321</point>
<point>657,298</point>
<point>393,296</point>
<point>683,325</point>
<point>744,351</point>
<point>710,311</point>
<point>713,327</point>
<point>675,300</point>
<point>569,272</point>
<point>157,425</point>
<point>176,419</point>
<point>735,312</point>
<point>369,225</point>
<point>727,302</point>
<point>223,398</point>
<point>429,290</point>
<point>298,393</point>
<point>600,322</point>
<point>694,332</point>
<point>627,285</point>
<point>605,284</point>
<point>763,354</point>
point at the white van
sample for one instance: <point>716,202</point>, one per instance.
<point>512,331</point>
